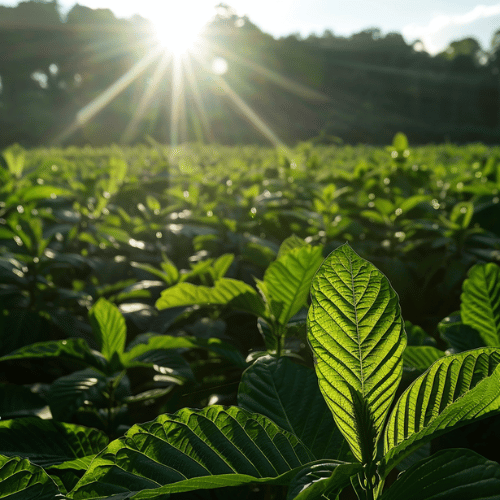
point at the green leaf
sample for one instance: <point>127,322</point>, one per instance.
<point>15,158</point>
<point>109,328</point>
<point>167,362</point>
<point>288,280</point>
<point>46,442</point>
<point>455,390</point>
<point>448,475</point>
<point>357,337</point>
<point>74,350</point>
<point>324,480</point>
<point>170,269</point>
<point>226,291</point>
<point>33,193</point>
<point>6,234</point>
<point>288,394</point>
<point>480,307</point>
<point>194,449</point>
<point>200,268</point>
<point>459,336</point>
<point>167,277</point>
<point>400,142</point>
<point>421,357</point>
<point>68,473</point>
<point>152,203</point>
<point>462,213</point>
<point>22,480</point>
<point>148,342</point>
<point>68,393</point>
<point>415,335</point>
<point>290,243</point>
<point>221,265</point>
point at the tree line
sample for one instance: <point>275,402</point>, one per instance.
<point>328,88</point>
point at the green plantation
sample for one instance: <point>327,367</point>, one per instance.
<point>209,322</point>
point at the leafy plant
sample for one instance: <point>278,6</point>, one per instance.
<point>357,336</point>
<point>283,291</point>
<point>100,392</point>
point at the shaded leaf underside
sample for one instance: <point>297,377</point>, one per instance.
<point>288,394</point>
<point>213,447</point>
<point>448,475</point>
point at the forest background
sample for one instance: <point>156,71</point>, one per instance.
<point>331,89</point>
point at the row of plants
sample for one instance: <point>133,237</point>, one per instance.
<point>78,224</point>
<point>142,282</point>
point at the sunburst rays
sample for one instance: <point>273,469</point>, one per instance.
<point>179,74</point>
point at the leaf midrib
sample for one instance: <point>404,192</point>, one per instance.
<point>357,328</point>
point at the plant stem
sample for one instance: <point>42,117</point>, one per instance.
<point>280,339</point>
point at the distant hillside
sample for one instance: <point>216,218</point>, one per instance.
<point>361,88</point>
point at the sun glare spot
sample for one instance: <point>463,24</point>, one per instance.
<point>176,30</point>
<point>219,66</point>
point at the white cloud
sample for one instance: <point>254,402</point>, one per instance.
<point>443,28</point>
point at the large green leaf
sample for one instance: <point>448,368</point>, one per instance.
<point>480,307</point>
<point>448,475</point>
<point>73,350</point>
<point>356,333</point>
<point>21,480</point>
<point>109,328</point>
<point>454,391</point>
<point>288,280</point>
<point>288,394</point>
<point>226,291</point>
<point>46,442</point>
<point>194,449</point>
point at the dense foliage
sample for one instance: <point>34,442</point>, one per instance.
<point>188,289</point>
<point>360,88</point>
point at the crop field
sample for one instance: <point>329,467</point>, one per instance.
<point>209,322</point>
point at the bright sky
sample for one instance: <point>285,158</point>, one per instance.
<point>436,22</point>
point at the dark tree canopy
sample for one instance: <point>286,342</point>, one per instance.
<point>360,88</point>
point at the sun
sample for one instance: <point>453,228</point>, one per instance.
<point>177,30</point>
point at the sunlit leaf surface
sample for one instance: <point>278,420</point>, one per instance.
<point>480,307</point>
<point>109,327</point>
<point>288,280</point>
<point>357,336</point>
<point>225,291</point>
<point>454,391</point>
